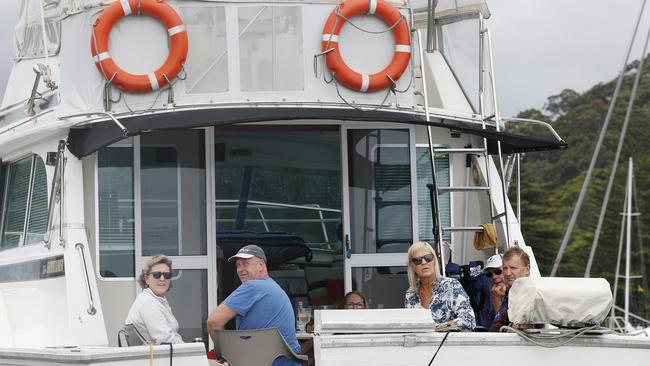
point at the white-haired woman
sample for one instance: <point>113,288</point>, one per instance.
<point>150,313</point>
<point>445,297</point>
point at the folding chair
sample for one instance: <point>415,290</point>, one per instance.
<point>257,347</point>
<point>131,336</point>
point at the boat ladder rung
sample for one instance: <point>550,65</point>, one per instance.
<point>442,190</point>
<point>462,150</point>
<point>463,228</point>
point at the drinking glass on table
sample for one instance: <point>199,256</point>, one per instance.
<point>304,316</point>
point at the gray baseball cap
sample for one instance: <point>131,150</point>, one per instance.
<point>249,251</point>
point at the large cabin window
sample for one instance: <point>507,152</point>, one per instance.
<point>24,204</point>
<point>115,203</point>
<point>280,187</point>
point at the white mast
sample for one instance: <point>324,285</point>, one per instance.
<point>628,239</point>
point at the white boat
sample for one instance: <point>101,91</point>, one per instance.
<point>250,141</point>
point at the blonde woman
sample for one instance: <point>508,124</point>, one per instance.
<point>445,297</point>
<point>150,313</point>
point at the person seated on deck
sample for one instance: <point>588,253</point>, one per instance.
<point>494,272</point>
<point>516,264</point>
<point>354,300</point>
<point>445,297</point>
<point>259,302</point>
<point>150,313</point>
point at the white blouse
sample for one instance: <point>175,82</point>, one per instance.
<point>152,316</point>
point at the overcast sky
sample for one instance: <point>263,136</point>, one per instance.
<point>540,46</point>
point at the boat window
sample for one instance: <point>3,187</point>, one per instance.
<point>172,191</point>
<point>459,43</point>
<point>425,213</point>
<point>384,287</point>
<point>280,187</point>
<point>271,48</point>
<point>115,204</point>
<point>191,315</point>
<point>24,208</point>
<point>207,58</point>
<point>380,191</point>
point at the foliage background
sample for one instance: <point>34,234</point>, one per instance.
<point>551,182</point>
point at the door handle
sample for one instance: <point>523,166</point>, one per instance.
<point>348,249</point>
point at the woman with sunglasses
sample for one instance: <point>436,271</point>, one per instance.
<point>150,313</point>
<point>445,297</point>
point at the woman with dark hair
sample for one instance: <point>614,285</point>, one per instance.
<point>355,300</point>
<point>443,296</point>
<point>150,313</point>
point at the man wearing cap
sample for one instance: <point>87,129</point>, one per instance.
<point>495,274</point>
<point>259,302</point>
<point>516,264</point>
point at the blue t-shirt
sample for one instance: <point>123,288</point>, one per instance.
<point>262,303</point>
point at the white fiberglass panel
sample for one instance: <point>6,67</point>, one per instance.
<point>207,58</point>
<point>270,48</point>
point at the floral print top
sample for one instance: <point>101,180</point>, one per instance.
<point>449,301</point>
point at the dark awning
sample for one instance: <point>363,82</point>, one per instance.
<point>87,140</point>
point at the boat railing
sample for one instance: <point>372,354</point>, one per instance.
<point>261,206</point>
<point>534,122</point>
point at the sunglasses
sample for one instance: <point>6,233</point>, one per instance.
<point>157,274</point>
<point>497,272</point>
<point>418,260</point>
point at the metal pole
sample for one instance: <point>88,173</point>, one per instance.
<point>599,143</point>
<point>519,188</point>
<point>628,239</point>
<point>618,262</point>
<point>504,193</point>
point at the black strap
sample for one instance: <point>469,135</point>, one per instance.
<point>439,346</point>
<point>171,352</point>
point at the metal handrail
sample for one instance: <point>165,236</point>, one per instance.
<point>90,114</point>
<point>91,304</point>
<point>285,205</point>
<point>274,205</point>
<point>55,193</point>
<point>535,122</point>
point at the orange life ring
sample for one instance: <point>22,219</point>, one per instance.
<point>330,45</point>
<point>134,82</point>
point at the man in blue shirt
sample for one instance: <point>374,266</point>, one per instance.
<point>259,302</point>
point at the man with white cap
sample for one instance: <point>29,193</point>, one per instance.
<point>259,302</point>
<point>516,264</point>
<point>494,272</point>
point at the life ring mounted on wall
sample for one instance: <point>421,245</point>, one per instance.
<point>139,83</point>
<point>334,61</point>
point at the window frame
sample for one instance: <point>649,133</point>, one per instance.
<point>6,170</point>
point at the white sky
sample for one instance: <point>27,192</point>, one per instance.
<point>540,46</point>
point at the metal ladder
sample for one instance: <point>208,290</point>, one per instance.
<point>487,188</point>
